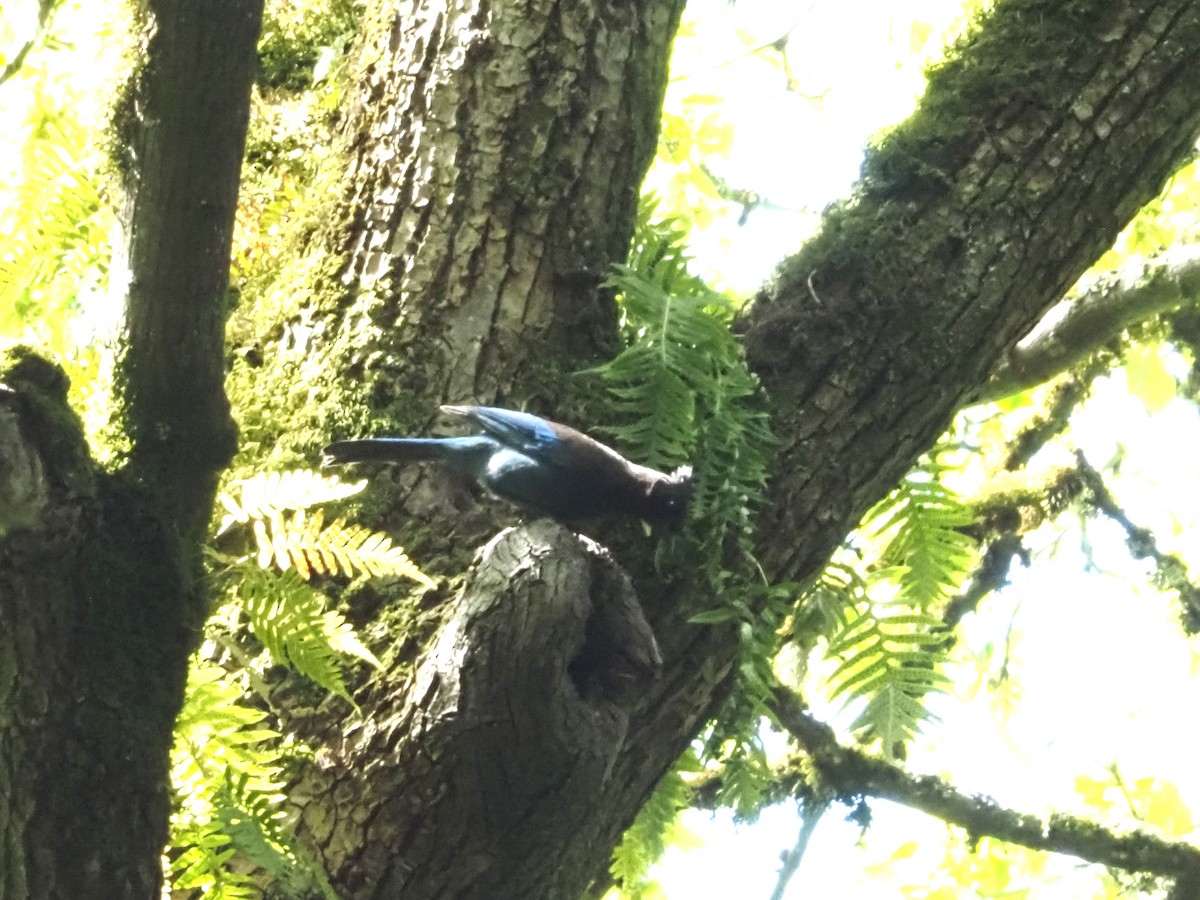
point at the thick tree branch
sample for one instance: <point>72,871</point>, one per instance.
<point>185,123</point>
<point>854,774</point>
<point>1082,325</point>
<point>513,721</point>
<point>100,590</point>
<point>968,225</point>
<point>1057,122</point>
<point>1184,325</point>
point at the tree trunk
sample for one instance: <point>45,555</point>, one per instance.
<point>494,153</point>
<point>475,228</point>
<point>101,598</point>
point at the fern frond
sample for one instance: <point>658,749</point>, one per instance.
<point>745,776</point>
<point>658,251</point>
<point>889,661</point>
<point>201,865</point>
<point>256,825</point>
<point>681,393</point>
<point>655,828</point>
<point>268,493</point>
<point>291,621</point>
<point>215,730</point>
<point>889,649</point>
<point>57,226</point>
<point>929,551</point>
<point>275,505</point>
<point>829,603</point>
<point>216,738</point>
<point>307,545</point>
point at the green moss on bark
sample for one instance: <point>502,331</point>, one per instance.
<point>53,425</point>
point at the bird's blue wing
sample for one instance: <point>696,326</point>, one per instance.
<point>530,434</point>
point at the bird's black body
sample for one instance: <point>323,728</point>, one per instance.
<point>540,465</point>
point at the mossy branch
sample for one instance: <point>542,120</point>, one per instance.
<point>1083,325</point>
<point>855,774</point>
<point>181,196</point>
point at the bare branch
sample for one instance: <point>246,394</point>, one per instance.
<point>990,575</point>
<point>14,65</point>
<point>853,774</point>
<point>809,817</point>
<point>1077,328</point>
<point>1170,571</point>
<point>1065,397</point>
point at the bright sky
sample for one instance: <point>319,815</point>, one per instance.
<point>1104,674</point>
<point>1103,671</point>
<point>855,72</point>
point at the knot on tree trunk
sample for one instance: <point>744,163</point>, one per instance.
<point>44,459</point>
<point>23,490</point>
<point>508,730</point>
<point>544,654</point>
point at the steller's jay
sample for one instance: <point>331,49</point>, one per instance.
<point>540,465</point>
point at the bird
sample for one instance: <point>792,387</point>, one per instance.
<point>539,465</point>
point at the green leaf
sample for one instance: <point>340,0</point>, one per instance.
<point>713,616</point>
<point>1149,379</point>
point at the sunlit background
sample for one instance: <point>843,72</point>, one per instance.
<point>1074,689</point>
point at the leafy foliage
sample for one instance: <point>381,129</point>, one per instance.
<point>888,660</point>
<point>287,616</point>
<point>299,41</point>
<point>879,617</point>
<point>295,628</point>
<point>681,393</point>
<point>227,774</point>
<point>655,828</point>
<point>55,229</point>
<point>228,766</point>
<point>275,505</point>
<point>929,554</point>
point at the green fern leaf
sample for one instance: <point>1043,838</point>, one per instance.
<point>929,551</point>
<point>654,829</point>
<point>270,493</point>
<point>291,621</point>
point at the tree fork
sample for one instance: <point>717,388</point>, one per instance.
<point>100,592</point>
<point>972,219</point>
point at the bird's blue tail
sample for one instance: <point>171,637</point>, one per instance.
<point>392,450</point>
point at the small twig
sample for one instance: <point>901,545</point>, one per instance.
<point>812,291</point>
<point>792,858</point>
<point>990,575</point>
<point>1053,421</point>
<point>1170,571</point>
<point>14,65</point>
<point>1098,315</point>
<point>773,44</point>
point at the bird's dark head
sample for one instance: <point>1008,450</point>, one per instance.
<point>669,498</point>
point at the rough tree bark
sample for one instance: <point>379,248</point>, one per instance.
<point>100,592</point>
<point>1029,155</point>
<point>474,222</point>
<point>494,156</point>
